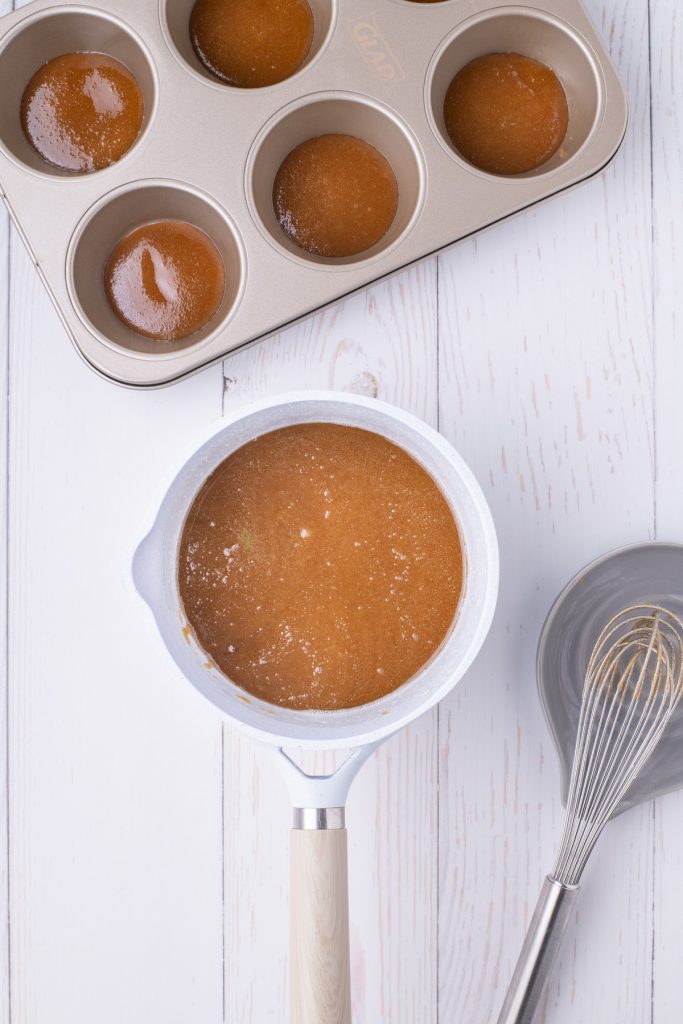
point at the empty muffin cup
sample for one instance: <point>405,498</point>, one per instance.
<point>50,34</point>
<point>334,114</point>
<point>531,34</point>
<point>114,217</point>
<point>175,18</point>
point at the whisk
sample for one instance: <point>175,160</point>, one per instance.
<point>633,683</point>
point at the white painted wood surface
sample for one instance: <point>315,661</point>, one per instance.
<point>147,877</point>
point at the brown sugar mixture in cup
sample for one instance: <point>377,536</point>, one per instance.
<point>251,43</point>
<point>82,111</point>
<point>165,280</point>
<point>506,113</point>
<point>335,195</point>
<point>320,566</point>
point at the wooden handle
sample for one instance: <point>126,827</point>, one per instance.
<point>319,921</point>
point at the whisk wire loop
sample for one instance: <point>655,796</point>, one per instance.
<point>633,683</point>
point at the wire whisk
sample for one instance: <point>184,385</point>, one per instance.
<point>633,684</point>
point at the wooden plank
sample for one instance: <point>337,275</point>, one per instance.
<point>546,388</point>
<point>667,153</point>
<point>381,343</point>
<point>115,763</point>
<point>5,7</point>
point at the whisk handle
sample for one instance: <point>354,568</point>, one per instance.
<point>539,951</point>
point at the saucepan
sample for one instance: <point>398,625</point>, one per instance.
<point>320,977</point>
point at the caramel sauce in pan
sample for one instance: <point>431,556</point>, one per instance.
<point>165,280</point>
<point>320,566</point>
<point>82,111</point>
<point>506,113</point>
<point>335,195</point>
<point>251,43</point>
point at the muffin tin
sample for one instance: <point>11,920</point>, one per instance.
<point>208,154</point>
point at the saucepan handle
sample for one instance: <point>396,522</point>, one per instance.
<point>319,918</point>
<point>539,952</point>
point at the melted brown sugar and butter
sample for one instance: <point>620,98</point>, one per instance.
<point>320,566</point>
<point>82,111</point>
<point>165,280</point>
<point>506,113</point>
<point>251,43</point>
<point>335,195</point>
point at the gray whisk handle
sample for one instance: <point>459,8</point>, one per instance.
<point>539,951</point>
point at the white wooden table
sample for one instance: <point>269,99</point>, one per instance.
<point>146,841</point>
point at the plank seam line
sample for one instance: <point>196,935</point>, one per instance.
<point>6,503</point>
<point>223,869</point>
<point>655,466</point>
<point>8,324</point>
<point>653,274</point>
<point>224,388</point>
<point>438,709</point>
<point>652,948</point>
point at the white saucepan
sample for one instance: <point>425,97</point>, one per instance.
<point>320,983</point>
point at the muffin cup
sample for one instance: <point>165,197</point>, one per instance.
<point>346,114</point>
<point>531,33</point>
<point>143,202</point>
<point>49,34</point>
<point>175,23</point>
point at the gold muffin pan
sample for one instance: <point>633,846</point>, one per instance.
<point>208,153</point>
